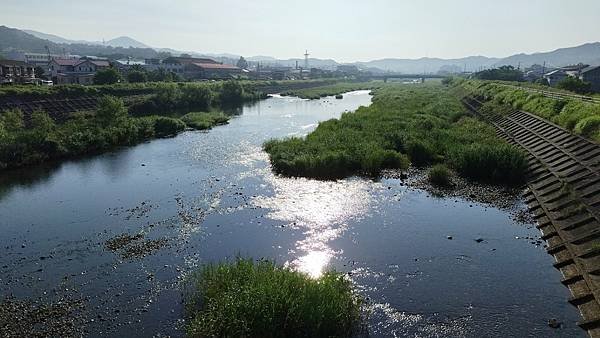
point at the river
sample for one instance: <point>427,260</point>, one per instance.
<point>204,197</point>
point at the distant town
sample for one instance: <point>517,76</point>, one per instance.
<point>22,62</point>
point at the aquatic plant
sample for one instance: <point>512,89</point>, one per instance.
<point>204,120</point>
<point>423,124</point>
<point>439,175</point>
<point>245,298</point>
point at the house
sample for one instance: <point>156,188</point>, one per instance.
<point>592,75</point>
<point>197,70</point>
<point>574,70</point>
<point>555,76</point>
<point>16,72</point>
<point>76,71</point>
<point>200,68</point>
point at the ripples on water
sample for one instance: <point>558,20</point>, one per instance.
<point>212,196</point>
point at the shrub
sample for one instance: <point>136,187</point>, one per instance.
<point>575,85</point>
<point>107,76</point>
<point>259,299</point>
<point>496,163</point>
<point>12,120</point>
<point>137,76</point>
<point>110,110</point>
<point>588,126</point>
<point>231,92</point>
<point>439,175</point>
<point>167,126</point>
<point>420,153</point>
<point>201,121</point>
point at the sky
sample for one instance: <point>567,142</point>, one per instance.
<point>344,30</point>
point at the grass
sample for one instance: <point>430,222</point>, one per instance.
<point>439,175</point>
<point>574,115</point>
<point>260,299</point>
<point>202,121</point>
<point>332,90</point>
<point>418,124</point>
<point>108,127</point>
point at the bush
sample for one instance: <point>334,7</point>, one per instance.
<point>260,299</point>
<point>588,126</point>
<point>201,121</point>
<point>439,175</point>
<point>110,110</point>
<point>107,76</point>
<point>167,126</point>
<point>231,92</point>
<point>12,120</point>
<point>575,85</point>
<point>137,76</point>
<point>420,153</point>
<point>496,163</point>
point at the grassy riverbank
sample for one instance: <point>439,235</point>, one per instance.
<point>332,90</point>
<point>420,124</point>
<point>260,299</point>
<point>87,133</point>
<point>580,117</point>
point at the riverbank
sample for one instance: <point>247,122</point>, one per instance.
<point>418,124</point>
<point>578,116</point>
<point>336,89</point>
<point>117,234</point>
<point>38,138</point>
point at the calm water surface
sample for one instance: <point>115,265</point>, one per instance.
<point>208,196</point>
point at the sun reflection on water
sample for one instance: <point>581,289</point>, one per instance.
<point>321,210</point>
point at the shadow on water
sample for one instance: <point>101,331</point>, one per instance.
<point>19,178</point>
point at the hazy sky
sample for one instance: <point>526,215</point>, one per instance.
<point>343,30</point>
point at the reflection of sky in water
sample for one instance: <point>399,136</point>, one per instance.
<point>320,210</point>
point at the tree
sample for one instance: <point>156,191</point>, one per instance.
<point>231,92</point>
<point>137,76</point>
<point>184,55</point>
<point>39,72</point>
<point>12,120</point>
<point>110,110</point>
<point>242,63</point>
<point>107,76</point>
<point>574,84</point>
<point>503,73</point>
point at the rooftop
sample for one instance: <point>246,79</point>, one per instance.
<point>214,66</point>
<point>13,63</point>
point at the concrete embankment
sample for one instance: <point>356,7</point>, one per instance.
<point>563,193</point>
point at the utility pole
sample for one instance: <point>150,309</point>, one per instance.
<point>306,59</point>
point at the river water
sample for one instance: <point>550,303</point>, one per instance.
<point>208,196</point>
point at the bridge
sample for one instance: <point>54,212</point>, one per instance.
<point>386,77</point>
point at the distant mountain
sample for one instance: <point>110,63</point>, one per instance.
<point>429,65</point>
<point>51,37</point>
<point>122,41</point>
<point>125,42</point>
<point>33,41</point>
<point>588,53</point>
<point>14,39</point>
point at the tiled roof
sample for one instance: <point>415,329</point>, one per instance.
<point>99,63</point>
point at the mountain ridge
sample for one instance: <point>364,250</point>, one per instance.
<point>588,53</point>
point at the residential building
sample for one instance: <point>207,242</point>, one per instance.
<point>592,75</point>
<point>200,68</point>
<point>76,71</point>
<point>555,76</point>
<point>574,70</point>
<point>16,72</point>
